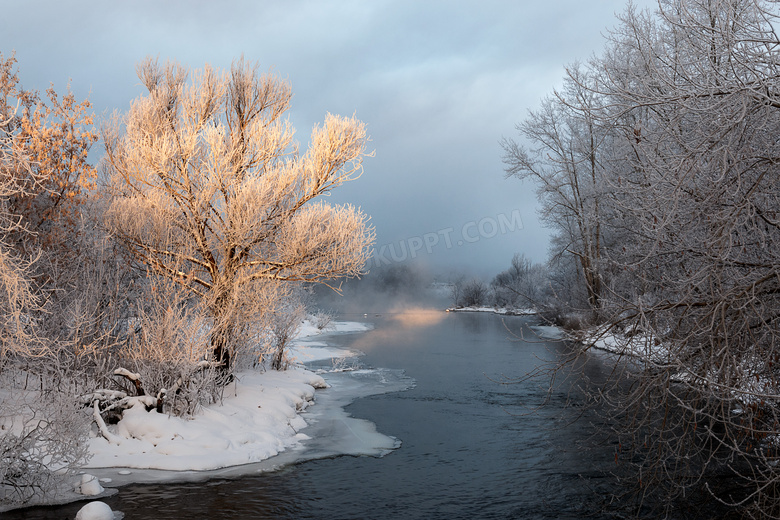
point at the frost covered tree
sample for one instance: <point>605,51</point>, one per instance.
<point>563,158</point>
<point>19,297</point>
<point>55,135</point>
<point>523,284</point>
<point>284,327</point>
<point>684,102</point>
<point>471,293</point>
<point>45,185</point>
<point>42,434</point>
<point>696,90</point>
<point>211,191</point>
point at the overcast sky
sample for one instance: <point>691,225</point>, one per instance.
<point>438,83</point>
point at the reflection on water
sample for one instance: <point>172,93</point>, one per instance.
<point>400,325</point>
<point>472,322</point>
<point>471,446</point>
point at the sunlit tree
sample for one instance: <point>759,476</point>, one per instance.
<point>55,136</point>
<point>211,191</point>
<point>18,296</point>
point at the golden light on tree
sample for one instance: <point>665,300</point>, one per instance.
<point>211,191</point>
<point>54,137</point>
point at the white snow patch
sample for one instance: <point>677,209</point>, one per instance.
<point>95,511</point>
<point>314,351</point>
<point>549,332</point>
<point>89,485</point>
<point>309,330</point>
<point>309,344</point>
<point>639,345</point>
<point>509,311</point>
<point>257,419</point>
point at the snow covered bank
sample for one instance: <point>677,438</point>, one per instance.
<point>258,418</point>
<point>330,432</point>
<point>264,422</point>
<point>638,345</point>
<point>496,310</point>
<point>549,332</point>
<point>749,384</point>
<point>311,343</point>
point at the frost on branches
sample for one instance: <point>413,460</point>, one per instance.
<point>144,295</point>
<point>212,192</point>
<point>657,166</point>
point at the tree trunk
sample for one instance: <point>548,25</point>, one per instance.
<point>276,362</point>
<point>220,347</point>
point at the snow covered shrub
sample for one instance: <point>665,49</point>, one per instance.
<point>167,353</point>
<point>473,294</point>
<point>43,440</point>
<point>322,320</point>
<point>284,327</point>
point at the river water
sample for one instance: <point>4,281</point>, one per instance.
<point>472,446</point>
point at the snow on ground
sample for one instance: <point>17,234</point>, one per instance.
<point>311,346</point>
<point>634,344</point>
<point>496,310</point>
<point>549,332</point>
<point>647,348</point>
<point>331,429</point>
<point>260,425</point>
<point>258,418</point>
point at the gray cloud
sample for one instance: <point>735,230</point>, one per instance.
<point>438,83</point>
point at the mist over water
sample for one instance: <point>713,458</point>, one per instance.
<point>401,296</point>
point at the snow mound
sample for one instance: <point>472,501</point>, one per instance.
<point>89,486</point>
<point>95,511</point>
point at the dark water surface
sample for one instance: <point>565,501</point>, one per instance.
<point>472,447</point>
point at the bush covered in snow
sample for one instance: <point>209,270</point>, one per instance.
<point>43,438</point>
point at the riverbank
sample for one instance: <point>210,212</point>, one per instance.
<point>263,414</point>
<point>600,338</point>
<point>508,311</point>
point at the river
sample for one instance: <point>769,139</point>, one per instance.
<point>472,446</point>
